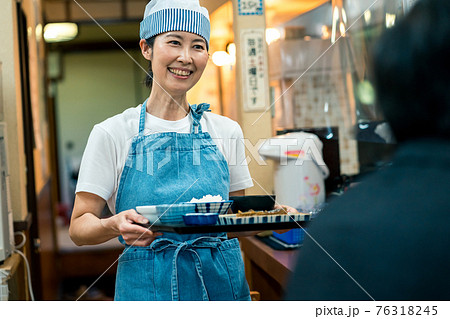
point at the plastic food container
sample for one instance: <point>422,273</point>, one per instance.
<point>201,218</point>
<point>294,236</point>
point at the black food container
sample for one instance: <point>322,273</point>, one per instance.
<point>255,202</point>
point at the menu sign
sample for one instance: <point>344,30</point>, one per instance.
<point>250,7</point>
<point>254,69</point>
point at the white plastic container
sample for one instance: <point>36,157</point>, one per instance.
<point>300,171</point>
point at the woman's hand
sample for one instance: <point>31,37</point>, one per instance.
<point>289,209</point>
<point>125,224</point>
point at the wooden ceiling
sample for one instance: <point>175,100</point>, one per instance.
<point>123,15</point>
<point>277,11</point>
<point>105,10</point>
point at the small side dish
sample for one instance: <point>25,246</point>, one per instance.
<point>197,219</point>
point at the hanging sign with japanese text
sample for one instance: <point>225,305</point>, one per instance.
<point>254,69</point>
<point>250,7</point>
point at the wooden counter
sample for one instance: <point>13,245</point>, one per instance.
<point>267,270</point>
<point>86,261</point>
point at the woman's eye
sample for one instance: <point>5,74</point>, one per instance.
<point>199,47</point>
<point>174,42</point>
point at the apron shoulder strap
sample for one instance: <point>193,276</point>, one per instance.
<point>142,118</point>
<point>197,113</point>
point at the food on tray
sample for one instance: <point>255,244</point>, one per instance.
<point>251,212</point>
<point>207,198</point>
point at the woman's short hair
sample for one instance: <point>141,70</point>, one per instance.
<point>149,77</point>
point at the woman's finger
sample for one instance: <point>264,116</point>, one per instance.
<point>140,241</point>
<point>132,216</point>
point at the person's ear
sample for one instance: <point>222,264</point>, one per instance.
<point>145,50</point>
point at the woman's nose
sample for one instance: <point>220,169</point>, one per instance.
<point>185,55</point>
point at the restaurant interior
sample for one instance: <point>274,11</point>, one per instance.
<point>66,65</point>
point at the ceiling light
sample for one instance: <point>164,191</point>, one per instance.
<point>272,35</point>
<point>390,20</point>
<point>221,58</point>
<point>367,16</point>
<point>59,32</point>
<point>231,49</point>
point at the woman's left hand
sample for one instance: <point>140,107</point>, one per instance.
<point>289,209</point>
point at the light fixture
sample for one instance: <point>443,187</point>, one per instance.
<point>342,29</point>
<point>344,16</point>
<point>59,32</point>
<point>325,32</point>
<point>334,24</point>
<point>221,58</point>
<point>390,20</point>
<point>228,57</point>
<point>272,35</point>
<point>231,49</point>
<point>367,16</point>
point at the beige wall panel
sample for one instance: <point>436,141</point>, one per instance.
<point>12,105</point>
<point>256,125</point>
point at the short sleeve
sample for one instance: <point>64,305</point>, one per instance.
<point>239,174</point>
<point>98,166</point>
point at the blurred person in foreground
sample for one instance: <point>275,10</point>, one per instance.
<point>390,233</point>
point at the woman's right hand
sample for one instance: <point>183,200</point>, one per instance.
<point>133,234</point>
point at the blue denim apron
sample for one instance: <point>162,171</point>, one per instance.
<point>166,168</point>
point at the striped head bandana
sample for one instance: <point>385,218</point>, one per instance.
<point>175,15</point>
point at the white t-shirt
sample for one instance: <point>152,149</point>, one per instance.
<point>109,143</point>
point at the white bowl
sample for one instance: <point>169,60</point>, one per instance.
<point>213,207</point>
<point>149,212</point>
<point>166,213</point>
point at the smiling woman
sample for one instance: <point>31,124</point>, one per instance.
<point>165,151</point>
<point>178,60</point>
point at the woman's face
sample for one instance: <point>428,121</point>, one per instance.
<point>178,60</point>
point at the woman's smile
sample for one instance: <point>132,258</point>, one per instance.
<point>184,73</point>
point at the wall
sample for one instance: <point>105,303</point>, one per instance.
<point>12,107</point>
<point>94,86</point>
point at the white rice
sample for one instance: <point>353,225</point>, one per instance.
<point>207,198</point>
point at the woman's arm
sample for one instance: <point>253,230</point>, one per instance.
<point>87,228</point>
<point>238,193</point>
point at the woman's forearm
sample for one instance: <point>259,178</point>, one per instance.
<point>89,229</point>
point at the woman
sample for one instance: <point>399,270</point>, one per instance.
<point>162,152</point>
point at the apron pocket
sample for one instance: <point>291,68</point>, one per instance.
<point>231,253</point>
<point>134,279</point>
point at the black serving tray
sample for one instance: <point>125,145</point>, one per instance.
<point>183,229</point>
